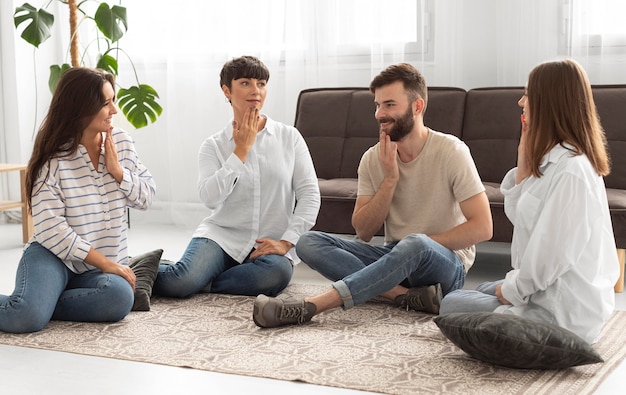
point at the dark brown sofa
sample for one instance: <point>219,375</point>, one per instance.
<point>338,125</point>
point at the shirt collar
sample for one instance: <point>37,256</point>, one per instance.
<point>555,154</point>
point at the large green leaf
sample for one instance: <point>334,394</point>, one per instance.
<point>111,20</point>
<point>41,21</point>
<point>56,72</point>
<point>138,103</point>
<point>108,63</point>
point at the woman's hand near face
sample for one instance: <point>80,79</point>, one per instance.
<point>111,162</point>
<point>523,168</point>
<point>244,134</point>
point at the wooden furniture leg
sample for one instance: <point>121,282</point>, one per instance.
<point>27,219</point>
<point>621,255</point>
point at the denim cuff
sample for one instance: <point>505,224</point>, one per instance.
<point>345,294</point>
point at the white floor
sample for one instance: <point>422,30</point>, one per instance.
<point>31,371</point>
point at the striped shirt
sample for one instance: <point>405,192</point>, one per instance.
<point>78,207</point>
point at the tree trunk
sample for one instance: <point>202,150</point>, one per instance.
<point>74,54</point>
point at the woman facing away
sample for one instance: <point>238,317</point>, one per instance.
<point>563,251</point>
<point>256,177</point>
<point>82,175</point>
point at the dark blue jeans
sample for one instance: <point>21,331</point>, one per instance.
<point>206,267</point>
<point>362,271</point>
<point>46,289</point>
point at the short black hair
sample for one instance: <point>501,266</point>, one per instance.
<point>243,67</point>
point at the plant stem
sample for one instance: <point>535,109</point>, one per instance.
<point>74,33</point>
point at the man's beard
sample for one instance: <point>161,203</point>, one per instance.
<point>401,126</point>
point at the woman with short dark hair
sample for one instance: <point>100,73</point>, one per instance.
<point>257,179</point>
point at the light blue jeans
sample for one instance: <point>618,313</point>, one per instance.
<point>46,289</point>
<point>362,271</point>
<point>205,267</point>
<point>483,299</point>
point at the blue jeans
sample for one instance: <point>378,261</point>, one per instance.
<point>361,271</point>
<point>483,299</point>
<point>46,289</point>
<point>206,267</point>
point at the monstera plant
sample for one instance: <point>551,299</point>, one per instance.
<point>138,103</point>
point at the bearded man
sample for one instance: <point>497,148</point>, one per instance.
<point>423,187</point>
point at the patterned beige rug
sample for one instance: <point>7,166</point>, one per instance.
<point>374,347</point>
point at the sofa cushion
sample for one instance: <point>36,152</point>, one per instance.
<point>338,188</point>
<point>495,196</point>
<point>145,267</point>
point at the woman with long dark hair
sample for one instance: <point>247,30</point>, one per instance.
<point>82,175</point>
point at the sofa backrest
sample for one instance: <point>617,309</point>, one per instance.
<point>445,108</point>
<point>492,128</point>
<point>338,124</point>
<point>611,104</point>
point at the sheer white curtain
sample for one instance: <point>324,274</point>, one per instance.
<point>497,42</point>
<point>305,43</point>
<point>492,42</point>
<point>180,47</point>
<point>598,38</point>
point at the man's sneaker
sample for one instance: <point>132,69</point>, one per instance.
<point>427,299</point>
<point>281,310</point>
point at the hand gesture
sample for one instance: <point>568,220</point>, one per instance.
<point>499,295</point>
<point>388,156</point>
<point>244,135</point>
<point>123,271</point>
<point>108,266</point>
<point>111,162</point>
<point>267,246</point>
<point>523,168</point>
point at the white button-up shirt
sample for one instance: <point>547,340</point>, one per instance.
<point>563,250</point>
<point>274,194</point>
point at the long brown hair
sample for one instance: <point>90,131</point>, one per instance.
<point>562,110</point>
<point>76,100</point>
